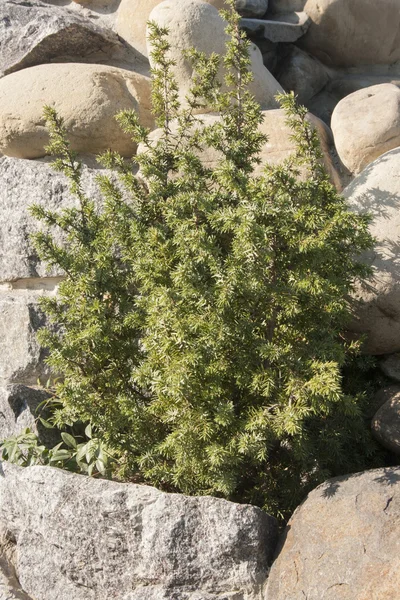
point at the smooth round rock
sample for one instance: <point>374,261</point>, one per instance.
<point>377,309</point>
<point>346,33</point>
<point>193,23</point>
<point>132,17</point>
<point>86,96</point>
<point>366,124</point>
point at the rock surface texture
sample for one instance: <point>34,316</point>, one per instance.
<point>86,96</point>
<point>76,537</point>
<point>33,33</point>
<point>342,542</point>
<point>377,191</point>
<point>366,124</point>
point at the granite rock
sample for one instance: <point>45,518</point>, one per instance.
<point>82,538</point>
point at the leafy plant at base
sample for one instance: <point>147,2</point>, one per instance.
<point>199,327</point>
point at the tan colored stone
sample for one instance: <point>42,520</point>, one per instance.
<point>278,147</point>
<point>347,33</point>
<point>342,542</point>
<point>193,23</point>
<point>376,191</point>
<point>366,124</point>
<point>86,96</point>
<point>132,17</point>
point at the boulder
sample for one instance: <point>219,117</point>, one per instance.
<point>342,542</point>
<point>86,96</point>
<point>366,124</point>
<point>22,358</point>
<point>23,183</point>
<point>302,74</point>
<point>347,33</point>
<point>33,33</point>
<point>390,366</point>
<point>193,23</point>
<point>276,149</point>
<point>343,83</point>
<point>19,410</point>
<point>132,17</point>
<point>377,304</point>
<point>252,8</point>
<point>386,422</point>
<point>78,537</point>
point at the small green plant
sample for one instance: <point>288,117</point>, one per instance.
<point>89,457</point>
<point>199,328</point>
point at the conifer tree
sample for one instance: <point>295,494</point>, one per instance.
<point>199,328</point>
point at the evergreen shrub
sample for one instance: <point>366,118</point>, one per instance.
<point>199,329</point>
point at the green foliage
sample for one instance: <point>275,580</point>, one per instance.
<point>89,457</point>
<point>200,325</point>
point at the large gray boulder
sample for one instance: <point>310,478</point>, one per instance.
<point>23,183</point>
<point>342,542</point>
<point>85,539</point>
<point>377,308</point>
<point>22,358</point>
<point>32,33</point>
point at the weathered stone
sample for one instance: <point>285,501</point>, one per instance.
<point>193,23</point>
<point>347,33</point>
<point>86,96</point>
<point>386,422</point>
<point>366,124</point>
<point>377,309</point>
<point>19,409</point>
<point>22,358</point>
<point>390,366</point>
<point>33,33</point>
<point>302,74</point>
<point>278,28</point>
<point>132,18</point>
<point>342,542</point>
<point>23,183</point>
<point>77,537</point>
<point>278,147</point>
<point>252,8</point>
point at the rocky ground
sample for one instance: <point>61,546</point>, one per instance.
<point>64,536</point>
